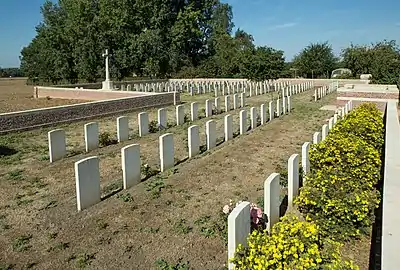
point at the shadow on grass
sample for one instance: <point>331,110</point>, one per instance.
<point>7,151</point>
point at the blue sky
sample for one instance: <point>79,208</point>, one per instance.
<point>289,25</point>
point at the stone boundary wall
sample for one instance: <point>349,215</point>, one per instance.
<point>31,119</point>
<point>326,81</point>
<point>368,93</point>
<point>390,259</point>
<point>83,94</point>
<point>208,80</point>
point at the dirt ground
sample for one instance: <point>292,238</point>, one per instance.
<point>15,95</point>
<point>171,219</point>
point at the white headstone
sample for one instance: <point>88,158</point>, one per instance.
<point>227,103</point>
<point>305,159</point>
<point>131,165</point>
<point>166,144</point>
<point>242,100</point>
<point>180,115</point>
<point>208,108</point>
<point>253,117</point>
<point>194,111</point>
<point>217,103</point>
<point>325,131</point>
<point>211,133</point>
<point>243,121</point>
<point>87,180</point>
<point>238,229</point>
<point>330,123</point>
<point>335,118</point>
<point>228,127</point>
<point>162,118</point>
<point>263,114</point>
<point>271,111</point>
<point>91,136</point>
<point>316,137</point>
<point>278,108</point>
<point>57,144</point>
<point>272,190</point>
<point>293,178</point>
<point>235,101</point>
<point>143,121</point>
<point>122,128</point>
<point>193,141</point>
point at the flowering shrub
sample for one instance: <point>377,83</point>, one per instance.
<point>293,244</point>
<point>339,193</point>
<point>364,122</point>
<point>349,154</point>
<point>338,203</point>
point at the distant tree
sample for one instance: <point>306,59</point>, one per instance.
<point>264,63</point>
<point>317,60</point>
<point>381,60</point>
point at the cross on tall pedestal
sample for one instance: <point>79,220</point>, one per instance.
<point>107,84</point>
<point>106,55</point>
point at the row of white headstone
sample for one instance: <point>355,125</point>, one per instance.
<point>219,87</point>
<point>57,138</point>
<point>325,90</point>
<point>239,218</point>
<point>87,175</point>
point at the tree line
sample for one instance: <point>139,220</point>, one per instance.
<point>175,38</point>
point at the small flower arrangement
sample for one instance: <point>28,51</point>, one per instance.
<point>258,220</point>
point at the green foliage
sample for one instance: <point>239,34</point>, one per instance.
<point>10,72</point>
<point>263,63</point>
<point>188,39</point>
<point>106,139</point>
<point>292,244</point>
<point>381,60</point>
<point>339,193</point>
<point>316,60</point>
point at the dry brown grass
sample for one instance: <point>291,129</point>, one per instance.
<point>15,95</point>
<point>40,224</point>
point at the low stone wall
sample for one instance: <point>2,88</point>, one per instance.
<point>342,82</point>
<point>208,80</point>
<point>83,94</point>
<point>378,94</point>
<point>30,119</point>
<point>390,237</point>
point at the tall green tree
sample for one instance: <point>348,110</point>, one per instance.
<point>316,60</point>
<point>263,63</point>
<point>381,60</point>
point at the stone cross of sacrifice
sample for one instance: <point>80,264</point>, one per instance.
<point>106,55</point>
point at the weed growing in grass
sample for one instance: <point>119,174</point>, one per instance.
<point>148,171</point>
<point>153,126</point>
<point>22,243</point>
<point>16,175</point>
<point>181,227</point>
<point>202,113</point>
<point>164,265</point>
<point>106,139</point>
<point>127,197</point>
<point>83,260</point>
<point>155,186</point>
<point>3,224</point>
<point>101,225</point>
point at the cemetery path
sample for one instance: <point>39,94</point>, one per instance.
<point>166,219</point>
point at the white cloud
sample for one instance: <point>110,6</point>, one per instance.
<point>284,25</point>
